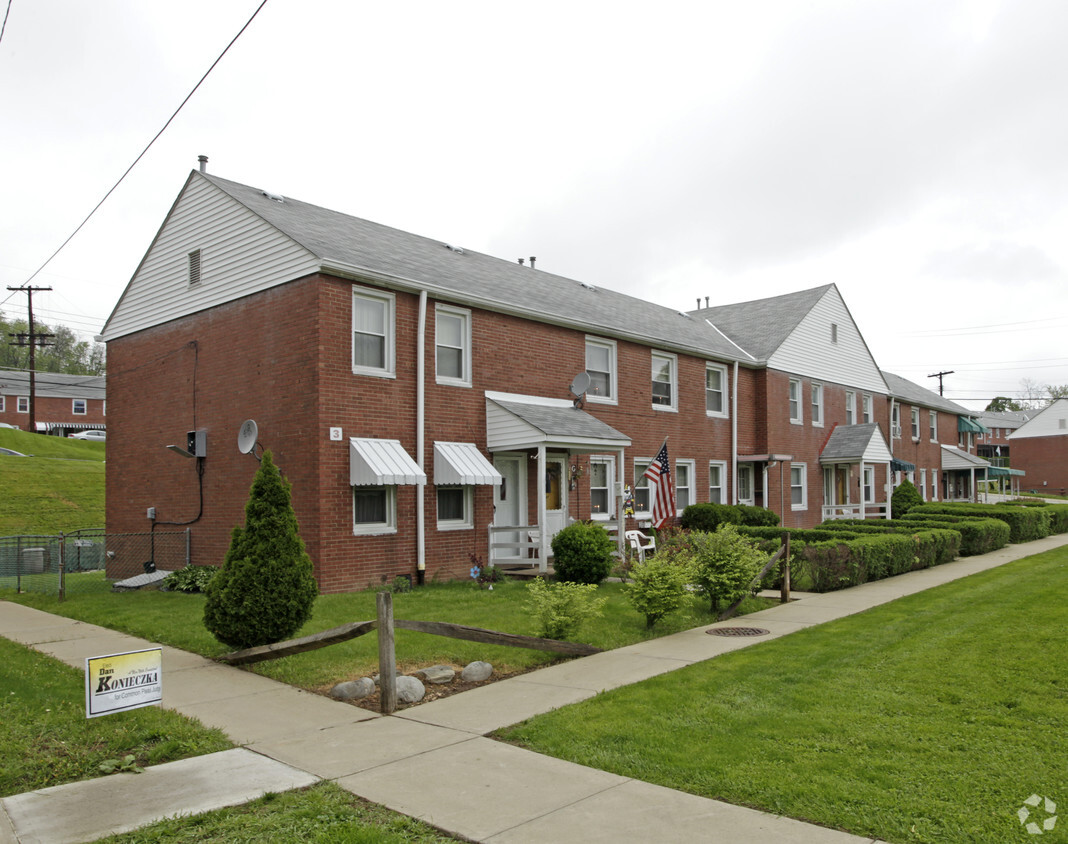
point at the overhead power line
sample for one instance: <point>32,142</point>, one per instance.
<point>170,119</point>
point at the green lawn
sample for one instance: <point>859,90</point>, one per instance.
<point>60,487</point>
<point>930,719</point>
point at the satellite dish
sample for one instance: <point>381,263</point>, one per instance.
<point>579,385</point>
<point>247,436</point>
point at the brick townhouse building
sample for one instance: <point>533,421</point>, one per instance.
<point>1040,449</point>
<point>63,404</point>
<point>418,395</point>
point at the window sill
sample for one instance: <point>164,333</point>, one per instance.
<point>375,530</point>
<point>374,373</point>
<point>665,408</point>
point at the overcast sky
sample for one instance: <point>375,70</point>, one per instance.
<point>913,153</point>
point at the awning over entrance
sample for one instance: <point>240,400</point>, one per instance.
<point>462,463</point>
<point>80,426</point>
<point>969,426</point>
<point>380,463</point>
<point>901,466</point>
<point>1004,472</point>
<point>953,458</point>
<point>515,422</point>
<point>856,444</point>
<point>765,458</point>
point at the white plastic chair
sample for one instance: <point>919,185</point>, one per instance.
<point>641,543</point>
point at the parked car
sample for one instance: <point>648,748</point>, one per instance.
<point>98,436</point>
<point>11,453</point>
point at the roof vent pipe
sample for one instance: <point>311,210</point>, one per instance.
<point>706,301</point>
<point>203,159</point>
<point>532,260</point>
<point>520,262</point>
<point>699,303</point>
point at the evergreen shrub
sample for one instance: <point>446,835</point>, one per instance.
<point>706,517</point>
<point>582,553</point>
<point>904,498</point>
<point>757,516</point>
<point>266,589</point>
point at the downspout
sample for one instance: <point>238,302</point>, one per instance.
<point>420,441</point>
<point>734,435</point>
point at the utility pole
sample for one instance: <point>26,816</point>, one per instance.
<point>939,375</point>
<point>33,340</point>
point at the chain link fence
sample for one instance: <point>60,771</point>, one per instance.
<point>87,560</point>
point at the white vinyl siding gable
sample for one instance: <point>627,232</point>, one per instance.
<point>241,254</point>
<point>809,352</point>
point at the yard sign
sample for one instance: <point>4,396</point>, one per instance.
<point>117,682</point>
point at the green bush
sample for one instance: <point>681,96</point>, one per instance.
<point>1025,523</point>
<point>757,516</point>
<point>1058,513</point>
<point>559,609</point>
<point>707,517</point>
<point>977,535</point>
<point>266,588</point>
<point>904,498</point>
<point>724,564</point>
<point>190,579</point>
<point>659,587</point>
<point>582,553</point>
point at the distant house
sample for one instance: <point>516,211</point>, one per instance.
<point>418,394</point>
<point>63,404</point>
<point>994,444</point>
<point>1040,448</point>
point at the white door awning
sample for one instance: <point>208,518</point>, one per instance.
<point>380,463</point>
<point>462,463</point>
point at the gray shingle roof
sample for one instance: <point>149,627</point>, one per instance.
<point>361,247</point>
<point>762,325</point>
<point>848,443</point>
<point>562,422</point>
<point>52,385</point>
<point>902,388</point>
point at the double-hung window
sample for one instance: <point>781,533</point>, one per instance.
<point>817,405</point>
<point>684,484</point>
<point>373,321</point>
<point>869,484</point>
<point>3,403</point>
<point>798,487</point>
<point>932,422</point>
<point>867,408</point>
<point>915,423</point>
<point>717,482</point>
<point>665,381</point>
<point>23,404</point>
<point>795,401</point>
<point>851,407</point>
<point>601,367</point>
<point>78,407</point>
<point>895,421</point>
<point>602,505</point>
<point>715,390</point>
<point>452,339</point>
<point>642,506</point>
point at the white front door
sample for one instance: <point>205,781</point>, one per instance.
<point>509,503</point>
<point>555,491</point>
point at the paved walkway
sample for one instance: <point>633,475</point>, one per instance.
<point>431,761</point>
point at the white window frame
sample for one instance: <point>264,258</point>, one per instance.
<point>746,471</point>
<point>673,380</point>
<point>22,404</point>
<point>802,469</point>
<point>377,528</point>
<point>464,317</point>
<point>466,521</point>
<point>609,464</point>
<point>817,405</point>
<point>797,415</point>
<point>916,423</point>
<point>389,355</point>
<point>723,413</point>
<point>691,468</point>
<point>612,386</point>
<point>895,421</point>
<point>922,486</point>
<point>641,482</point>
<point>720,467</point>
<point>932,424</point>
<point>866,414</point>
<point>74,403</point>
<point>851,407</point>
<point>868,485</point>
<point>3,403</point>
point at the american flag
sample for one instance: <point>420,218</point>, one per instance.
<point>661,488</point>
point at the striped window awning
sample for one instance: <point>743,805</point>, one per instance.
<point>969,426</point>
<point>381,463</point>
<point>462,463</point>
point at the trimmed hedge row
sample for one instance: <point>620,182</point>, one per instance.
<point>1058,513</point>
<point>1025,523</point>
<point>706,517</point>
<point>977,536</point>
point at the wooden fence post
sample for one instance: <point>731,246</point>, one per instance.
<point>387,656</point>
<point>784,590</point>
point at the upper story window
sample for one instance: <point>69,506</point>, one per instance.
<point>373,320</point>
<point>23,404</point>
<point>817,405</point>
<point>452,336</point>
<point>601,367</point>
<point>78,407</point>
<point>932,424</point>
<point>895,421</point>
<point>867,408</point>
<point>665,381</point>
<point>851,407</point>
<point>915,423</point>
<point>715,390</point>
<point>795,401</point>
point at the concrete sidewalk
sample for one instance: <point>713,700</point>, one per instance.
<point>432,761</point>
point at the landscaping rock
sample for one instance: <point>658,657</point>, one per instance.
<point>353,689</point>
<point>438,674</point>
<point>476,672</point>
<point>410,689</point>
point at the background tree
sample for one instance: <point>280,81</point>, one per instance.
<point>67,353</point>
<point>1002,403</point>
<point>266,588</point>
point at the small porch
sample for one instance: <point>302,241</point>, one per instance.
<point>959,474</point>
<point>865,447</point>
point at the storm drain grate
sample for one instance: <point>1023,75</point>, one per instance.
<point>737,631</point>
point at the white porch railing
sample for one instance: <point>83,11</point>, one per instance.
<point>852,511</point>
<point>521,543</point>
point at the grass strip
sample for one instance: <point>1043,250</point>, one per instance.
<point>930,719</point>
<point>47,740</point>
